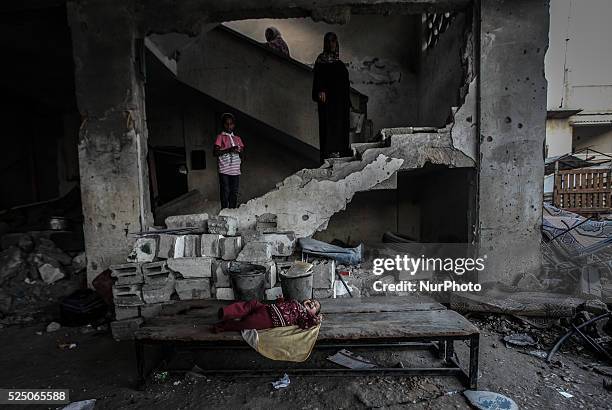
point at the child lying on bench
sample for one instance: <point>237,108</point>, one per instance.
<point>256,315</point>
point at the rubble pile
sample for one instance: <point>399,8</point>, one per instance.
<point>34,274</point>
<point>191,260</point>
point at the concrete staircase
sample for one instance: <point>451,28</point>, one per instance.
<point>305,201</point>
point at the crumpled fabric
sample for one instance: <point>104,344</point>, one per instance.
<point>345,256</point>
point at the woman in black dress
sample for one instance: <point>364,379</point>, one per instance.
<point>330,89</point>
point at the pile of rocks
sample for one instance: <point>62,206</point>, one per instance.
<point>34,273</point>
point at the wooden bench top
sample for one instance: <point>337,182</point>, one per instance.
<point>344,319</point>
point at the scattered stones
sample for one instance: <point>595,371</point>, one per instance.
<point>188,289</point>
<point>53,327</point>
<point>79,262</point>
<point>191,267</point>
<point>47,248</point>
<point>50,274</point>
<point>222,225</point>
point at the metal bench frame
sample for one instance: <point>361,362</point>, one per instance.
<point>442,347</point>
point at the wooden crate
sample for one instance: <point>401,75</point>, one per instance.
<point>584,191</point>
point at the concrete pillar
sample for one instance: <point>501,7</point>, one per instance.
<point>513,42</point>
<point>113,136</point>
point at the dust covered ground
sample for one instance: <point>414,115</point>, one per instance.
<point>101,368</point>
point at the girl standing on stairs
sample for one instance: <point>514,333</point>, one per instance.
<point>331,92</point>
<point>228,148</point>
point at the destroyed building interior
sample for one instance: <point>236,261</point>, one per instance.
<point>109,198</point>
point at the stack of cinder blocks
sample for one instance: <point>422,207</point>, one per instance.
<point>166,266</point>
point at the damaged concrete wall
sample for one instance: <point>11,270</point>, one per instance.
<point>442,73</point>
<point>113,137</point>
<point>305,201</point>
<point>513,40</point>
<point>381,53</point>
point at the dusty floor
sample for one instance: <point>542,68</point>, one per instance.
<point>100,368</point>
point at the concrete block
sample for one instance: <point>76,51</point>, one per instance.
<point>126,312</point>
<point>128,295</point>
<point>192,246</point>
<point>221,277</point>
<point>157,293</point>
<point>255,252</point>
<point>224,293</point>
<point>230,247</point>
<point>274,293</point>
<point>323,273</point>
<point>282,243</point>
<point>200,267</point>
<point>188,289</point>
<point>166,246</point>
<point>155,272</point>
<point>145,250</point>
<point>222,225</point>
<point>209,245</point>
<point>124,329</point>
<point>188,221</point>
<point>266,223</point>
<point>127,273</point>
<point>179,247</point>
<point>151,310</point>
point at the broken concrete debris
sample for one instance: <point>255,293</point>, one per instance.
<point>255,252</point>
<point>53,327</point>
<point>221,273</point>
<point>126,312</point>
<point>222,225</point>
<point>145,250</point>
<point>49,273</point>
<point>188,221</point>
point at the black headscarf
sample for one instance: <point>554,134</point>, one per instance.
<point>328,55</point>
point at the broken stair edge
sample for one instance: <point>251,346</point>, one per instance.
<point>306,207</point>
